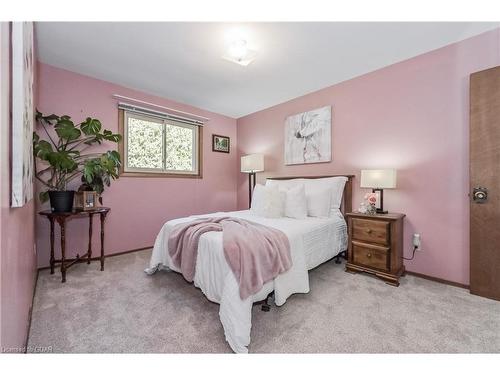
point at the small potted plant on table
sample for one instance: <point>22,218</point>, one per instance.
<point>64,158</point>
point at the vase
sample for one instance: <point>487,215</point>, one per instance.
<point>61,201</point>
<point>370,209</point>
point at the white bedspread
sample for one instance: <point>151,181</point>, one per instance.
<point>312,242</point>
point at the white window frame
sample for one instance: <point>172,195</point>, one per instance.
<point>126,170</point>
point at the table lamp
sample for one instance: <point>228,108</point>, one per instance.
<point>251,164</point>
<point>378,180</point>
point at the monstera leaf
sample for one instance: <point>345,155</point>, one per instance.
<point>106,135</point>
<point>42,149</point>
<point>48,119</point>
<point>44,196</point>
<point>65,129</point>
<point>100,171</point>
<point>90,126</point>
<point>109,136</point>
<point>62,161</point>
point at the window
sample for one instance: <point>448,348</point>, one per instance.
<point>153,145</point>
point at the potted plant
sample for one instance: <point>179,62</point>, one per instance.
<point>96,174</point>
<point>64,158</point>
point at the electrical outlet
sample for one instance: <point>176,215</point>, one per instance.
<point>416,241</point>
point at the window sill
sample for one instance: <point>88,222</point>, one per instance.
<point>160,175</point>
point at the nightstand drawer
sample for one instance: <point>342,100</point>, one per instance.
<point>371,230</point>
<point>371,255</point>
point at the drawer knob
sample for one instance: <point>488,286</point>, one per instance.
<point>369,255</point>
<point>369,231</point>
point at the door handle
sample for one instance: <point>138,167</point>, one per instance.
<point>479,194</point>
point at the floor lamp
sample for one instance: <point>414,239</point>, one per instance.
<point>252,164</point>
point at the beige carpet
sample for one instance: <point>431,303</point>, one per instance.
<point>124,310</point>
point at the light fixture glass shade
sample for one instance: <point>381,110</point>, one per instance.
<point>238,49</point>
<point>252,163</point>
<point>378,178</point>
<point>239,53</point>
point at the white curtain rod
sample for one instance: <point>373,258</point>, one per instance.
<point>116,96</point>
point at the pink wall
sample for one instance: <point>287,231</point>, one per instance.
<point>140,206</point>
<point>412,116</point>
<point>17,229</point>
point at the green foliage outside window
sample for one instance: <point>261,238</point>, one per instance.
<point>160,146</point>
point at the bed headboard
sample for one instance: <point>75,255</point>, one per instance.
<point>346,205</point>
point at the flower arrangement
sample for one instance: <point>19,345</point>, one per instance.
<point>371,201</point>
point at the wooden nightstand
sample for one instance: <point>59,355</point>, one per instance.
<point>376,245</point>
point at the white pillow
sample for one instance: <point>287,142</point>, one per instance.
<point>285,184</point>
<point>338,184</point>
<point>296,203</point>
<point>319,201</point>
<point>266,201</point>
<point>311,184</point>
<point>335,183</point>
<point>337,189</point>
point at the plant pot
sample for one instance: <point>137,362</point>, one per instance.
<point>61,201</point>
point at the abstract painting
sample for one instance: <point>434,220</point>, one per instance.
<point>22,113</point>
<point>308,137</point>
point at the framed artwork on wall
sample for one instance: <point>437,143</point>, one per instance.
<point>22,113</point>
<point>308,137</point>
<point>220,143</point>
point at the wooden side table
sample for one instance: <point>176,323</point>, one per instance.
<point>61,218</point>
<point>376,245</point>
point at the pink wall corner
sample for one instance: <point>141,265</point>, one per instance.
<point>139,206</point>
<point>412,116</point>
<point>17,228</point>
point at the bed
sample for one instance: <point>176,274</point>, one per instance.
<point>313,241</point>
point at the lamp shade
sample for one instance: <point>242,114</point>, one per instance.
<point>378,178</point>
<point>252,163</point>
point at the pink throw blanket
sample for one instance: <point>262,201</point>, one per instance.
<point>255,253</point>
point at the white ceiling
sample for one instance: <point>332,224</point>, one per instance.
<point>182,61</point>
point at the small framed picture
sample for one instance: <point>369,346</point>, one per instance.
<point>220,143</point>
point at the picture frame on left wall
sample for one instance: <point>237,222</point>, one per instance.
<point>220,143</point>
<point>22,112</point>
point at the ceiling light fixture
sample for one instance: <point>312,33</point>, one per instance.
<point>238,49</point>
<point>239,53</point>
